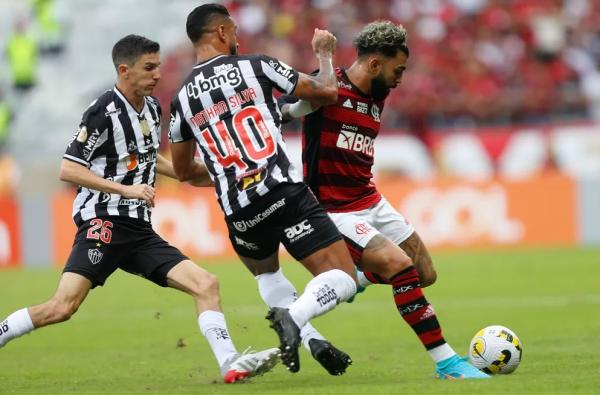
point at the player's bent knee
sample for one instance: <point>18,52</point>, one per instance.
<point>428,278</point>
<point>211,284</point>
<point>426,270</point>
<point>206,285</point>
<point>397,262</point>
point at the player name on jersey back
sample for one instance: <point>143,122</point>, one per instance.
<point>227,105</point>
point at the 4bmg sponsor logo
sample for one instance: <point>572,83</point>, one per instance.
<point>226,75</point>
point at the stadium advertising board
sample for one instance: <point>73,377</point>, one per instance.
<point>10,233</point>
<point>446,213</point>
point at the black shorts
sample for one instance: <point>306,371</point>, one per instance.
<point>289,214</point>
<point>104,244</point>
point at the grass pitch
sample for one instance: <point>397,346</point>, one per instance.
<point>131,337</point>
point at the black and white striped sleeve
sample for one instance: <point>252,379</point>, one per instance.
<point>282,75</point>
<point>179,129</point>
<point>90,136</point>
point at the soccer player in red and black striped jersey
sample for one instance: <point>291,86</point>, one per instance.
<point>338,157</point>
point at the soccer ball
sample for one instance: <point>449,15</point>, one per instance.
<point>495,350</point>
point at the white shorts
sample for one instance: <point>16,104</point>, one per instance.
<point>359,227</point>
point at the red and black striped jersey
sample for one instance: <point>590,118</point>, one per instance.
<point>337,152</point>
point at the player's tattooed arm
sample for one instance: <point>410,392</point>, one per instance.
<point>80,175</point>
<point>320,89</point>
<point>416,250</point>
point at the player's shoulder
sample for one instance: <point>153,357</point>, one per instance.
<point>267,59</point>
<point>263,57</point>
<point>97,110</point>
<point>103,101</point>
<point>254,59</point>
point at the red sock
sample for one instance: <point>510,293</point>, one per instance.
<point>375,278</point>
<point>415,309</point>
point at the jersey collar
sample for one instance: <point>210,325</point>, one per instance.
<point>354,87</point>
<point>207,61</point>
<point>129,105</point>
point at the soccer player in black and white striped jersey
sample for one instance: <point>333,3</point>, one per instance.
<point>114,159</point>
<point>226,105</point>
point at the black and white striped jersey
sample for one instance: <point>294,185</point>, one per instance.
<point>227,105</point>
<point>117,143</point>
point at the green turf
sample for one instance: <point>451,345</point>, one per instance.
<point>124,338</point>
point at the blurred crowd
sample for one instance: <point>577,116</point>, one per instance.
<point>35,30</point>
<point>472,62</point>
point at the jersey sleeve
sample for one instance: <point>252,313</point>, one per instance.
<point>90,135</point>
<point>179,129</point>
<point>284,77</point>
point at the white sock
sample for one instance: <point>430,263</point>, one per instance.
<point>15,325</point>
<point>442,352</point>
<point>322,294</point>
<point>214,328</point>
<point>277,291</point>
<point>363,281</point>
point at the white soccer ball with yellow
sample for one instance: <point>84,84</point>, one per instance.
<point>495,350</point>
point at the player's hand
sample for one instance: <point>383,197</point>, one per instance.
<point>140,191</point>
<point>323,43</point>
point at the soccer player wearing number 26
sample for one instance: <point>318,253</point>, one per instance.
<point>226,105</point>
<point>114,160</point>
<point>337,158</point>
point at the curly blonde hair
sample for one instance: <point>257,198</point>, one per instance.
<point>382,37</point>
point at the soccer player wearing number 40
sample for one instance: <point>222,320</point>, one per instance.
<point>114,159</point>
<point>226,105</point>
<point>337,158</point>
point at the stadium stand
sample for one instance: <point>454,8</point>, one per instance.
<point>473,63</point>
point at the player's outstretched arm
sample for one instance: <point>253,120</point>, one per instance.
<point>297,109</point>
<point>320,89</point>
<point>81,175</point>
<point>165,167</point>
<point>201,178</point>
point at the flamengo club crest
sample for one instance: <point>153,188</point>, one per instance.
<point>95,255</point>
<point>375,112</point>
<point>362,228</point>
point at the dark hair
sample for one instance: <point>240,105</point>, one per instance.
<point>383,37</point>
<point>129,49</point>
<point>199,20</point>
